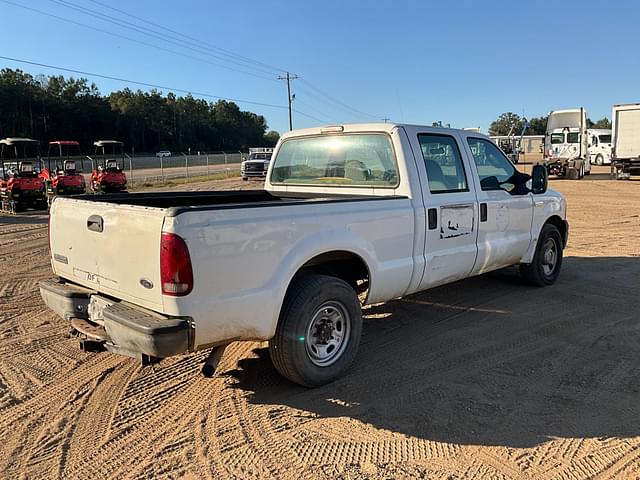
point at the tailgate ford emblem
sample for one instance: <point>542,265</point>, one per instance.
<point>146,283</point>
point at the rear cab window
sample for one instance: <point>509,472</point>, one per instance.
<point>349,160</point>
<point>557,138</point>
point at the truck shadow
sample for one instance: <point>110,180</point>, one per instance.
<point>488,361</point>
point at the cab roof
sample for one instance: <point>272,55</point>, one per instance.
<point>64,142</point>
<point>369,127</point>
<point>100,143</point>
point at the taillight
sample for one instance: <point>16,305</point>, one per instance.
<point>176,274</point>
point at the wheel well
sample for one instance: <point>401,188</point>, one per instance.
<point>561,226</point>
<point>340,264</point>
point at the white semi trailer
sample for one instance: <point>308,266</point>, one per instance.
<point>625,153</point>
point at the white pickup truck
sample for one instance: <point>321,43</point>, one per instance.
<point>350,214</point>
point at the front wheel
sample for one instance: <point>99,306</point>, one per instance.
<point>599,160</point>
<point>547,260</point>
<point>318,331</point>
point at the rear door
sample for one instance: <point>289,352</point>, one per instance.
<point>451,207</point>
<point>506,212</point>
<point>114,249</point>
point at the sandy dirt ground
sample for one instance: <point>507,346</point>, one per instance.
<point>485,378</point>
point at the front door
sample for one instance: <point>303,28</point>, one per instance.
<point>451,208</point>
<point>506,210</point>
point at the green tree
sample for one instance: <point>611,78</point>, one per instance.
<point>508,123</point>
<point>56,108</point>
<point>537,126</point>
<point>271,138</point>
<point>603,123</point>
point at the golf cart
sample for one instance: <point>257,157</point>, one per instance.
<point>63,177</point>
<point>108,165</point>
<point>20,186</point>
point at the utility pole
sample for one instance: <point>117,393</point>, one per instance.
<point>386,119</point>
<point>288,78</point>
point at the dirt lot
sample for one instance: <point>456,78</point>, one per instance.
<point>486,378</point>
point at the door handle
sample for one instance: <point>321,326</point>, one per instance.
<point>95,223</point>
<point>483,212</point>
<point>432,215</point>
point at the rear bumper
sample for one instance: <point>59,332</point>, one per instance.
<point>128,329</point>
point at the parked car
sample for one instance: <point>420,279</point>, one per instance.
<point>348,214</point>
<point>163,153</point>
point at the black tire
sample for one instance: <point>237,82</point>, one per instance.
<point>599,160</point>
<point>538,272</point>
<point>308,300</point>
<point>572,174</point>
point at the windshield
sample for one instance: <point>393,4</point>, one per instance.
<point>573,137</point>
<point>346,160</point>
<point>604,138</point>
<point>557,138</point>
<point>260,156</point>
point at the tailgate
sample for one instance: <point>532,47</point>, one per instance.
<point>114,249</point>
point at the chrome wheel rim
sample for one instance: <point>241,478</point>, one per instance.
<point>549,256</point>
<point>327,334</point>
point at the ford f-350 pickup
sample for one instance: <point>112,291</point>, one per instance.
<point>349,214</point>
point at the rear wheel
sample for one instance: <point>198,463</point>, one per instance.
<point>318,331</point>
<point>547,260</point>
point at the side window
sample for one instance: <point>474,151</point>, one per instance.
<point>442,159</point>
<point>494,169</point>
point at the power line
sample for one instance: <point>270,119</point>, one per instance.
<point>162,87</point>
<point>338,102</point>
<point>328,118</point>
<point>308,116</point>
<point>145,84</point>
<point>153,33</point>
<point>163,27</point>
<point>183,44</point>
<point>141,42</point>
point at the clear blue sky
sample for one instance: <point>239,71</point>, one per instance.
<point>462,62</point>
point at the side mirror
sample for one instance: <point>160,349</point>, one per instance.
<point>539,179</point>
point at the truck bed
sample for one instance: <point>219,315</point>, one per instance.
<point>178,202</point>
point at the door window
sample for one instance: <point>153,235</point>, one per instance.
<point>494,169</point>
<point>443,162</point>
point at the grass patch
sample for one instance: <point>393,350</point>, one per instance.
<point>141,185</point>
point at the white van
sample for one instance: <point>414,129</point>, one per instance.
<point>599,146</point>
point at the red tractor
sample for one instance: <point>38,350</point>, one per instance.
<point>20,186</point>
<point>108,175</point>
<point>65,178</point>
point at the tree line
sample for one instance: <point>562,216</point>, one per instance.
<point>57,108</point>
<point>510,123</point>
